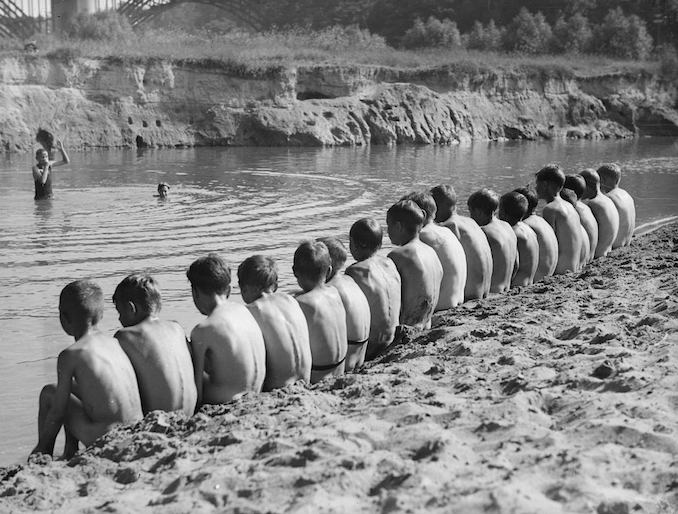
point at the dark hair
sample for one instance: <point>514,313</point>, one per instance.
<point>312,260</point>
<point>140,289</point>
<point>425,202</point>
<point>367,233</point>
<point>553,174</point>
<point>485,199</point>
<point>444,193</point>
<point>408,213</point>
<point>576,183</point>
<point>532,199</point>
<point>338,253</point>
<point>258,271</point>
<point>590,176</point>
<point>569,196</point>
<point>514,206</point>
<point>610,173</point>
<point>83,299</point>
<point>210,274</point>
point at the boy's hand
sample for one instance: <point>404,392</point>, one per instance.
<point>59,144</point>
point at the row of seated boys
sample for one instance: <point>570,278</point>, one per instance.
<point>439,260</point>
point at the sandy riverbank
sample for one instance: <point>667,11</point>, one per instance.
<point>560,397</point>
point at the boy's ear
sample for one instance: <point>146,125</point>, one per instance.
<point>132,306</point>
<point>228,291</point>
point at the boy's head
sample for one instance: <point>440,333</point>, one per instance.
<point>482,204</point>
<point>41,155</point>
<point>610,175</point>
<point>256,275</point>
<point>210,275</point>
<point>532,199</point>
<point>512,207</point>
<point>577,184</point>
<point>338,254</point>
<point>404,220</point>
<point>446,202</point>
<point>569,196</point>
<point>163,189</point>
<point>550,180</point>
<point>592,180</point>
<point>365,238</point>
<point>311,264</point>
<point>425,202</point>
<point>81,304</point>
<point>136,298</point>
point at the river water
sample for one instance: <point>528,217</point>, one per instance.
<point>105,223</point>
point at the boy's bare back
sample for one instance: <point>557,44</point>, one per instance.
<point>564,220</point>
<point>548,246</point>
<point>453,260</point>
<point>528,254</point>
<point>503,244</point>
<point>626,208</point>
<point>286,337</point>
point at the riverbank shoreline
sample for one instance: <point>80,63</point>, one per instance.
<point>558,397</point>
<point>118,103</point>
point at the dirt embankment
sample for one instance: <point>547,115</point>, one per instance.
<point>558,397</point>
<point>108,103</point>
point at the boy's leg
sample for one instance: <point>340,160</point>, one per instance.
<point>79,427</point>
<point>45,403</point>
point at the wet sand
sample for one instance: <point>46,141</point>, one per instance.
<point>558,397</point>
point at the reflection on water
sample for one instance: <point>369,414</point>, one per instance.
<point>104,223</point>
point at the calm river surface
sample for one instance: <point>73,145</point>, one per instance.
<point>104,223</point>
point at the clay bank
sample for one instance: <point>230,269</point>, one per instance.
<point>109,103</point>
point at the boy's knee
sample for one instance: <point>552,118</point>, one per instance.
<point>47,392</point>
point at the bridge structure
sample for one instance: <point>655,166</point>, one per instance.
<point>23,18</point>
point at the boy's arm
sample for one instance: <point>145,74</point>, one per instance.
<point>64,155</point>
<point>57,412</point>
<point>41,174</point>
<point>198,355</point>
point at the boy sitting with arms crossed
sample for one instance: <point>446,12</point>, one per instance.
<point>229,356</point>
<point>512,209</point>
<point>503,242</point>
<point>323,309</point>
<point>419,267</point>
<point>282,323</point>
<point>473,241</point>
<point>355,303</point>
<point>610,175</point>
<point>379,280</point>
<point>449,251</point>
<point>157,349</point>
<point>96,387</point>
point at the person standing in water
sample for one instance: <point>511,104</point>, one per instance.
<point>42,171</point>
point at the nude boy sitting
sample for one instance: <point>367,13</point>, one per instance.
<point>323,309</point>
<point>473,241</point>
<point>578,185</point>
<point>288,351</point>
<point>379,280</point>
<point>603,210</point>
<point>610,175</point>
<point>548,243</point>
<point>501,237</point>
<point>512,209</point>
<point>561,216</point>
<point>449,251</point>
<point>355,303</point>
<point>419,267</point>
<point>571,197</point>
<point>96,387</point>
<point>229,356</point>
<point>157,349</point>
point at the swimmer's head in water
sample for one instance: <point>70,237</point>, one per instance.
<point>532,200</point>
<point>81,303</point>
<point>366,236</point>
<point>445,198</point>
<point>512,207</point>
<point>425,202</point>
<point>577,184</point>
<point>338,254</point>
<point>592,180</point>
<point>610,176</point>
<point>41,155</point>
<point>136,297</point>
<point>404,220</point>
<point>256,275</point>
<point>311,264</point>
<point>482,205</point>
<point>163,189</point>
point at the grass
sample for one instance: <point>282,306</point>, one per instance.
<point>263,54</point>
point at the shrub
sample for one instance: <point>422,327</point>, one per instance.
<point>528,33</point>
<point>103,26</point>
<point>622,36</point>
<point>433,33</point>
<point>485,38</point>
<point>573,35</point>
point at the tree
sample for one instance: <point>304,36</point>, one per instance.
<point>573,35</point>
<point>433,33</point>
<point>622,36</point>
<point>528,33</point>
